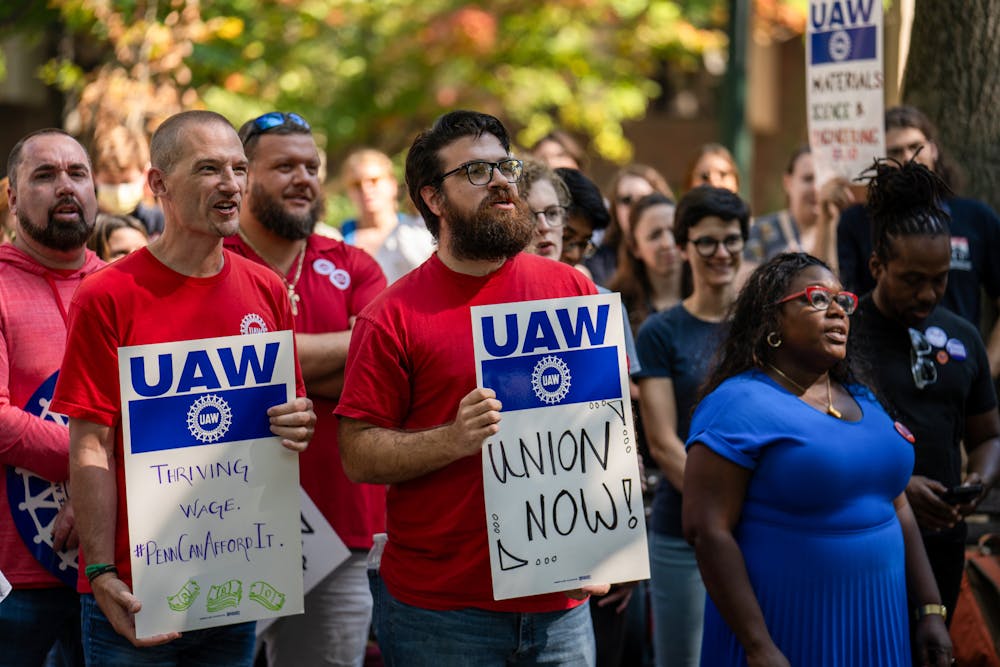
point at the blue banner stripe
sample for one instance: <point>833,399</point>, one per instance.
<point>837,46</point>
<point>559,378</point>
<point>212,417</point>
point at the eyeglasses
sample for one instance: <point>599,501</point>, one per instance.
<point>554,216</point>
<point>480,172</point>
<point>820,298</point>
<point>269,121</point>
<point>706,246</point>
<point>626,200</point>
<point>921,365</point>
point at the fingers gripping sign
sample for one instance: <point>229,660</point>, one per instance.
<point>294,422</point>
<point>120,606</point>
<point>477,419</point>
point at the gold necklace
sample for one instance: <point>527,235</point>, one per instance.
<point>293,298</point>
<point>830,410</point>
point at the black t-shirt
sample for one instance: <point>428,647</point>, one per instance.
<point>975,254</point>
<point>935,414</point>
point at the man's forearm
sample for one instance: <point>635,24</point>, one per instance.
<point>92,475</point>
<point>388,456</point>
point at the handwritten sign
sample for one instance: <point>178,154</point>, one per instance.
<point>213,497</point>
<point>561,478</point>
<point>844,86</point>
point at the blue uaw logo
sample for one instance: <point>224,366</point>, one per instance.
<point>34,501</point>
<point>209,418</point>
<point>840,45</point>
<point>550,379</point>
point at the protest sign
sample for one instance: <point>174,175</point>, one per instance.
<point>844,86</point>
<point>561,478</point>
<point>322,549</point>
<point>213,497</point>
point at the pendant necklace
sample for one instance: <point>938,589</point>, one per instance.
<point>830,410</point>
<point>293,298</point>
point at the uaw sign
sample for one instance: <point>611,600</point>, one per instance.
<point>561,477</point>
<point>213,497</point>
<point>844,86</point>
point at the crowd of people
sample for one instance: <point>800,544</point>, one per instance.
<point>813,392</point>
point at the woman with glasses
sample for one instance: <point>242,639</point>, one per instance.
<point>793,492</point>
<point>630,184</point>
<point>676,348</point>
<point>585,215</point>
<point>547,198</point>
<point>929,364</point>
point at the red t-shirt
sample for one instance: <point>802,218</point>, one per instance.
<point>410,363</point>
<point>336,282</point>
<point>139,301</point>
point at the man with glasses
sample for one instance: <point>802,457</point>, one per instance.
<point>183,286</point>
<point>929,364</point>
<point>412,417</point>
<point>328,283</point>
<point>585,214</point>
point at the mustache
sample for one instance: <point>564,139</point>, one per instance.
<point>67,200</point>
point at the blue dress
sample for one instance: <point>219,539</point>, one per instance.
<point>818,530</point>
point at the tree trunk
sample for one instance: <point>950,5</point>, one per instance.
<point>953,75</point>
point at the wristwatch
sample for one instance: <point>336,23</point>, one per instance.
<point>928,609</point>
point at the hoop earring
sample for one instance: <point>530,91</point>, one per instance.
<point>773,339</point>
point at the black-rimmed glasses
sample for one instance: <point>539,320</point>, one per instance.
<point>706,246</point>
<point>554,216</point>
<point>921,364</point>
<point>820,298</point>
<point>480,172</point>
<point>269,121</point>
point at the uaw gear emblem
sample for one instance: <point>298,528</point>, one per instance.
<point>550,379</point>
<point>34,501</point>
<point>253,323</point>
<point>209,418</point>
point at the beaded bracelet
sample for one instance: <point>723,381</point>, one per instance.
<point>97,569</point>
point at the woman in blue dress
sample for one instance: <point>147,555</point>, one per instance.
<point>793,493</point>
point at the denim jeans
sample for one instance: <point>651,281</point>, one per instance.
<point>34,621</point>
<point>224,646</point>
<point>413,637</point>
<point>677,598</point>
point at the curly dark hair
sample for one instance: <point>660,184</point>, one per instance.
<point>904,200</point>
<point>755,315</point>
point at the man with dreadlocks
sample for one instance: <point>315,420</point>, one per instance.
<point>929,365</point>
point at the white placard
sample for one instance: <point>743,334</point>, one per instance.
<point>5,587</point>
<point>561,478</point>
<point>322,549</point>
<point>213,497</point>
<point>845,86</point>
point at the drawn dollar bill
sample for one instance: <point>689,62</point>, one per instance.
<point>267,595</point>
<point>182,599</point>
<point>225,595</point>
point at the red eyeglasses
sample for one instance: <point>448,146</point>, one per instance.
<point>820,298</point>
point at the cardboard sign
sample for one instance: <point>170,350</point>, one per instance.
<point>213,497</point>
<point>561,478</point>
<point>845,86</point>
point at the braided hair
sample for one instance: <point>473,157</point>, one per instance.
<point>904,200</point>
<point>755,315</point>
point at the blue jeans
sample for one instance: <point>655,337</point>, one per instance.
<point>34,621</point>
<point>224,646</point>
<point>677,597</point>
<point>413,637</point>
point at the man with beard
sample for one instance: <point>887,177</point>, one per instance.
<point>51,193</point>
<point>328,283</point>
<point>184,286</point>
<point>930,365</point>
<point>412,417</point>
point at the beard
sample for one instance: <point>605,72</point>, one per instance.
<point>274,217</point>
<point>488,234</point>
<point>59,236</point>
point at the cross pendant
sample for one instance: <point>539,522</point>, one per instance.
<point>294,299</point>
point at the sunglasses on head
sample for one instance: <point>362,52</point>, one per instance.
<point>269,121</point>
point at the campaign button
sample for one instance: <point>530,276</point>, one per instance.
<point>956,349</point>
<point>936,336</point>
<point>905,432</point>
